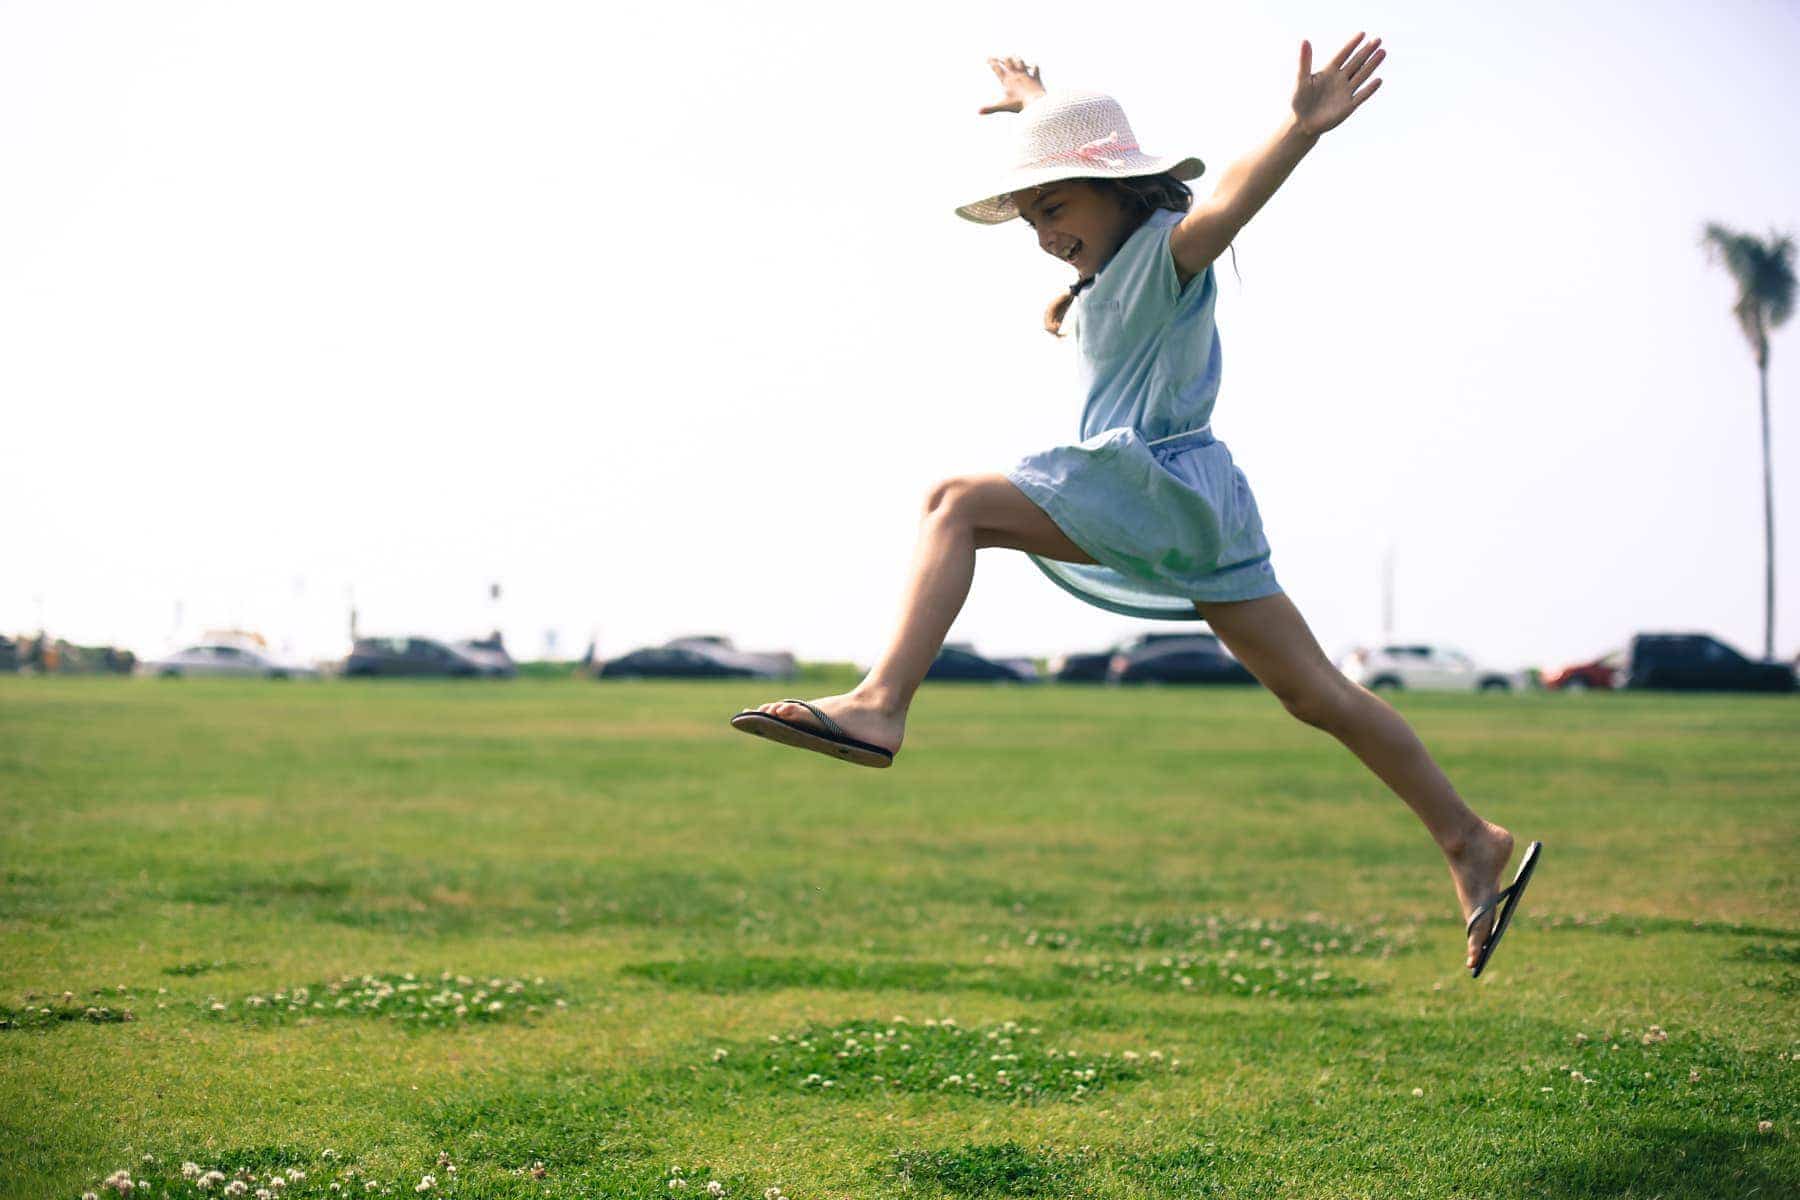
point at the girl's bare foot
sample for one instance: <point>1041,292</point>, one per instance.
<point>1477,867</point>
<point>861,717</point>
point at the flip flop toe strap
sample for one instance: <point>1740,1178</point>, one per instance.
<point>826,723</point>
<point>1482,910</point>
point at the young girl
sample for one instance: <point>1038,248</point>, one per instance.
<point>1147,515</point>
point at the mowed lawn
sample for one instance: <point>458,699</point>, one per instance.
<point>557,938</point>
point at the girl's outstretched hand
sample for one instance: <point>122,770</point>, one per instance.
<point>1322,101</point>
<point>1018,80</point>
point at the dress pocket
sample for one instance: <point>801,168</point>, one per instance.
<point>1102,329</point>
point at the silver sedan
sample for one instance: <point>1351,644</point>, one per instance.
<point>213,658</point>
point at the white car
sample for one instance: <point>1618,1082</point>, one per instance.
<point>1425,667</point>
<point>215,658</point>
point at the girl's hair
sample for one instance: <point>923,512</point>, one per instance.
<point>1141,195</point>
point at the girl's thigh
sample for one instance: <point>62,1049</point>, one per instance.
<point>1001,515</point>
<point>1272,640</point>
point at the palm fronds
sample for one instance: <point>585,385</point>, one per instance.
<point>1764,274</point>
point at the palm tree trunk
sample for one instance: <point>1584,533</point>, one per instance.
<point>1768,523</point>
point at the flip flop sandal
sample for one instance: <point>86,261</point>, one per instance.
<point>1503,906</point>
<point>828,738</point>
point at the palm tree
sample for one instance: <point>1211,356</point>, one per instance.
<point>1764,273</point>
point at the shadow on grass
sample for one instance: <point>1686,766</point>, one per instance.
<point>1003,1169</point>
<point>1663,1159</point>
<point>1617,925</point>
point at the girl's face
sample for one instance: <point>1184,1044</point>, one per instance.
<point>1076,221</point>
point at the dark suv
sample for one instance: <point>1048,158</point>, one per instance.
<point>417,656</point>
<point>1697,662</point>
<point>1176,658</point>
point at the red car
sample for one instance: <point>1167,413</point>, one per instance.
<point>1603,672</point>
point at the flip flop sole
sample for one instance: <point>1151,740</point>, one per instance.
<point>1515,892</point>
<point>775,729</point>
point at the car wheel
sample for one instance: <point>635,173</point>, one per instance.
<point>1495,685</point>
<point>1575,684</point>
<point>1384,683</point>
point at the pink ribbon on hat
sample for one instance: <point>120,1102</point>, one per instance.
<point>1090,152</point>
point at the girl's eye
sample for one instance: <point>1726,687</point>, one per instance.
<point>1052,210</point>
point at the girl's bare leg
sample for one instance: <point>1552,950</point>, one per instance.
<point>1270,637</point>
<point>961,516</point>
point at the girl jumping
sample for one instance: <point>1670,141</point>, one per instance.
<point>1147,515</point>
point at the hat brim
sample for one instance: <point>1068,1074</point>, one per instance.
<point>998,207</point>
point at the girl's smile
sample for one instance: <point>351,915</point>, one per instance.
<point>1075,221</point>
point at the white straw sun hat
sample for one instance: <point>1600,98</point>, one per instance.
<point>1072,135</point>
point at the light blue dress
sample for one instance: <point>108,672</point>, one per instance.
<point>1151,496</point>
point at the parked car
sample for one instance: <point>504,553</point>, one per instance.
<point>1176,658</point>
<point>765,664</point>
<point>490,653</point>
<point>1607,671</point>
<point>218,658</point>
<point>1081,668</point>
<point>960,663</point>
<point>1422,666</point>
<point>678,662</point>
<point>417,656</point>
<point>1700,662</point>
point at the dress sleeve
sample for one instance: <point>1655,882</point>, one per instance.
<point>1144,279</point>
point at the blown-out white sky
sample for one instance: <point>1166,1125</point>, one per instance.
<point>659,316</point>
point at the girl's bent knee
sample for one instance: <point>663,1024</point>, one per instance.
<point>1320,705</point>
<point>946,498</point>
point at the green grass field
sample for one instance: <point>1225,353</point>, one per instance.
<point>554,938</point>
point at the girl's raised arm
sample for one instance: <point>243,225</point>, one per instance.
<point>1321,103</point>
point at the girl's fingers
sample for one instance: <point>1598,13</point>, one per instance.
<point>1362,76</point>
<point>1305,61</point>
<point>1362,56</point>
<point>1357,99</point>
<point>1343,55</point>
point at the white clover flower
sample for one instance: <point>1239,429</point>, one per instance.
<point>714,1188</point>
<point>1418,1091</point>
<point>263,1194</point>
<point>89,1196</point>
<point>1765,1127</point>
<point>370,1185</point>
<point>190,1170</point>
<point>277,1182</point>
<point>496,1006</point>
<point>328,1153</point>
<point>426,1183</point>
<point>719,1053</point>
<point>296,1176</point>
